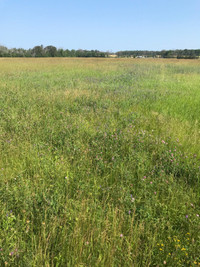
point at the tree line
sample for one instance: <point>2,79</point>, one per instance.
<point>178,53</point>
<point>52,51</point>
<point>49,51</point>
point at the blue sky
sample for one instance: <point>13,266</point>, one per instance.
<point>105,25</point>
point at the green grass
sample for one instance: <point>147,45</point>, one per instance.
<point>99,162</point>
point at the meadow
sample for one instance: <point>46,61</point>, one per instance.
<point>99,162</point>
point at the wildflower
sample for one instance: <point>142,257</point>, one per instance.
<point>132,199</point>
<point>11,253</point>
<point>154,193</point>
<point>163,141</point>
<point>197,215</point>
<point>129,212</point>
<point>164,262</point>
<point>160,249</point>
<point>121,235</point>
<point>186,216</point>
<point>27,221</point>
<point>151,182</point>
<point>183,249</point>
<point>162,245</point>
<point>43,223</point>
<point>87,243</point>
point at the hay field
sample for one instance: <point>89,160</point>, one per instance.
<point>99,162</point>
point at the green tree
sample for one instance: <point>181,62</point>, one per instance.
<point>37,51</point>
<point>50,51</point>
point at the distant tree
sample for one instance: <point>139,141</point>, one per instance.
<point>60,53</point>
<point>67,53</point>
<point>4,51</point>
<point>28,53</point>
<point>72,53</point>
<point>37,51</point>
<point>50,51</point>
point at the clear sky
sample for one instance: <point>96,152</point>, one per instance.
<point>107,25</point>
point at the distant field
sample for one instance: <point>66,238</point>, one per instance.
<point>99,162</point>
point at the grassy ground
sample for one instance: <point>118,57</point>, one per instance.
<point>99,162</point>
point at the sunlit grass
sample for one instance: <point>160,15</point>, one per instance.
<point>99,162</point>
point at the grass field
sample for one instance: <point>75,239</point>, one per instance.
<point>99,162</point>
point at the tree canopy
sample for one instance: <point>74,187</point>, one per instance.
<point>52,51</point>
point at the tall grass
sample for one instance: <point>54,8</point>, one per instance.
<point>99,162</point>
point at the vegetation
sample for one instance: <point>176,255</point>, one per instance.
<point>186,53</point>
<point>49,51</point>
<point>100,162</point>
<point>52,51</point>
